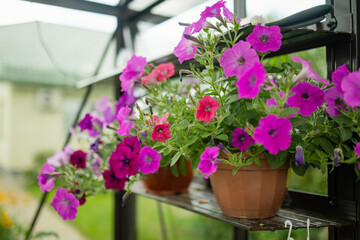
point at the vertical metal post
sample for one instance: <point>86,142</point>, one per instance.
<point>240,8</point>
<point>125,217</point>
<point>240,234</point>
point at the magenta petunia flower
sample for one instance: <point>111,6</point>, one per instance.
<point>351,87</point>
<point>307,72</point>
<point>96,164</point>
<point>249,83</point>
<point>236,60</point>
<point>207,164</point>
<point>264,39</point>
<point>65,204</point>
<point>149,160</point>
<point>357,149</point>
<point>127,98</point>
<point>206,109</point>
<point>132,71</point>
<point>334,101</point>
<point>124,161</point>
<point>78,159</point>
<point>273,133</point>
<point>228,14</point>
<point>164,71</point>
<point>131,142</point>
<point>161,132</point>
<point>338,75</point>
<point>124,123</point>
<point>95,122</point>
<point>209,12</point>
<point>113,182</point>
<point>185,49</point>
<point>307,98</point>
<point>86,123</point>
<point>45,181</point>
<point>241,139</point>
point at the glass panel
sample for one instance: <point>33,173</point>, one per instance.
<point>107,2</point>
<point>275,10</point>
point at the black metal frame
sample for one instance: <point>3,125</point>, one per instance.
<point>343,198</point>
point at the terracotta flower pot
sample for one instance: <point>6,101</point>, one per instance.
<point>165,183</point>
<point>254,191</point>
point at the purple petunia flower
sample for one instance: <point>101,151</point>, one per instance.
<point>65,204</point>
<point>185,49</point>
<point>357,149</point>
<point>96,165</point>
<point>351,87</point>
<point>45,181</point>
<point>236,60</point>
<point>249,83</point>
<point>113,182</point>
<point>127,98</point>
<point>86,123</point>
<point>207,164</point>
<point>334,101</point>
<point>132,71</point>
<point>149,160</point>
<point>241,139</point>
<point>273,133</point>
<point>299,156</point>
<point>307,98</point>
<point>264,39</point>
<point>95,122</point>
<point>338,75</point>
<point>124,123</point>
<point>307,72</point>
<point>131,142</point>
<point>124,161</point>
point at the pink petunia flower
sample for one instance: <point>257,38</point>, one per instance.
<point>307,98</point>
<point>207,164</point>
<point>124,162</point>
<point>273,133</point>
<point>307,72</point>
<point>338,75</point>
<point>161,132</point>
<point>150,78</point>
<point>45,181</point>
<point>241,139</point>
<point>357,149</point>
<point>65,204</point>
<point>236,60</point>
<point>209,12</point>
<point>164,71</point>
<point>149,160</point>
<point>228,14</point>
<point>131,142</point>
<point>351,87</point>
<point>113,182</point>
<point>96,164</point>
<point>185,49</point>
<point>156,120</point>
<point>334,101</point>
<point>206,109</point>
<point>78,159</point>
<point>58,159</point>
<point>124,123</point>
<point>132,71</point>
<point>264,39</point>
<point>249,83</point>
<point>102,104</point>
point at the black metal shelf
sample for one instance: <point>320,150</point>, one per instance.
<point>201,200</point>
<point>293,40</point>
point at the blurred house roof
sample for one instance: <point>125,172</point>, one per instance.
<point>51,54</point>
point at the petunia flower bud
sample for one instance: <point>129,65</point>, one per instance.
<point>337,152</point>
<point>299,156</point>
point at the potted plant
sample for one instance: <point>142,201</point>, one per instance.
<point>256,119</point>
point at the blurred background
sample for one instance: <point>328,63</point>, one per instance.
<point>46,54</point>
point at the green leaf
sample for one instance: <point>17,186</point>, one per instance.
<point>326,145</point>
<point>232,98</point>
<point>300,169</point>
<point>249,114</point>
<point>295,122</point>
<point>289,111</point>
<point>223,137</point>
<point>229,120</point>
<point>182,167</point>
<point>235,170</point>
<point>345,133</point>
<point>278,160</point>
<point>206,134</point>
<point>175,158</point>
<point>174,169</point>
<point>342,119</point>
<point>191,140</point>
<point>271,69</point>
<point>257,161</point>
<point>166,151</point>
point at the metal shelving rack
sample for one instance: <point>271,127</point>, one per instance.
<point>339,211</point>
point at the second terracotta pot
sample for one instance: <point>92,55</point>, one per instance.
<point>254,191</point>
<point>165,183</point>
